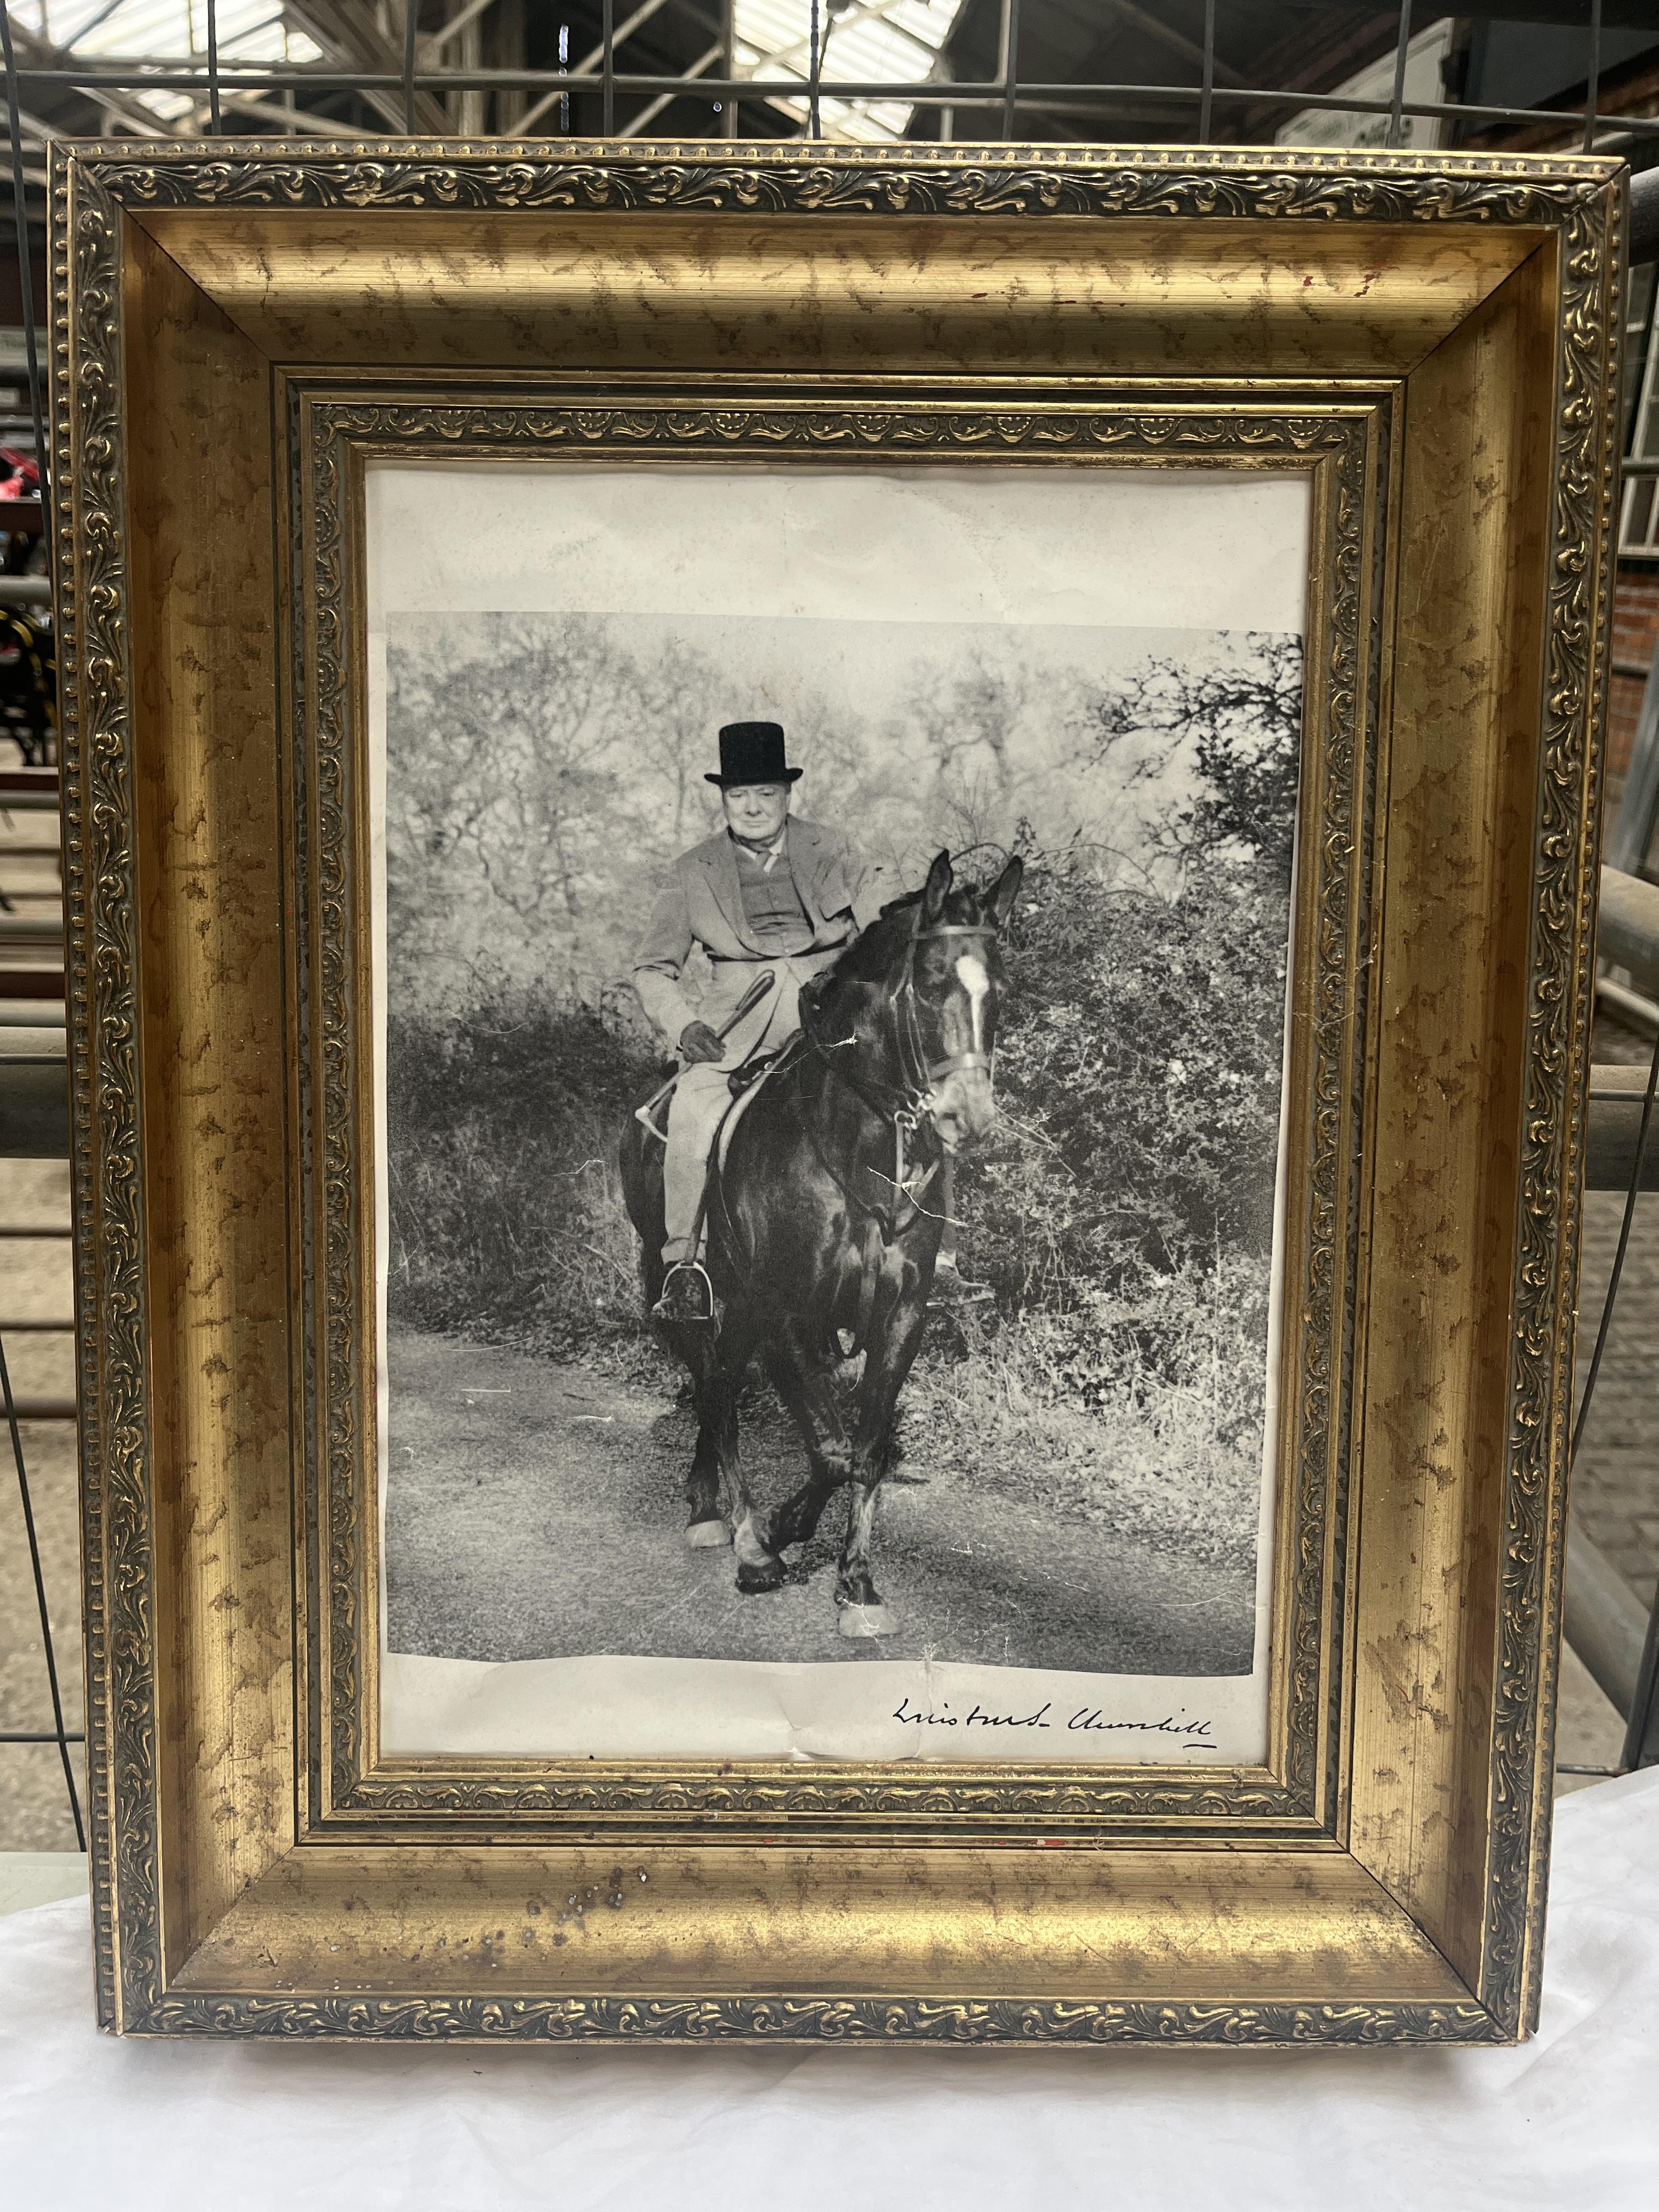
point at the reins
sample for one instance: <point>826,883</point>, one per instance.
<point>918,1074</point>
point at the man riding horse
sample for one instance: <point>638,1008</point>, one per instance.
<point>768,895</point>
<point>821,1234</point>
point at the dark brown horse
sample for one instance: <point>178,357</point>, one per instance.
<point>824,1223</point>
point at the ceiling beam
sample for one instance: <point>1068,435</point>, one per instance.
<point>349,34</point>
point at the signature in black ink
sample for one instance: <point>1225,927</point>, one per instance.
<point>977,1718</point>
<point>1087,1720</point>
<point>1091,1720</point>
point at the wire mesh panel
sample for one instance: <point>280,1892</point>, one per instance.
<point>849,70</point>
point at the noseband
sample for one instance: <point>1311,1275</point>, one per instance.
<point>909,1100</point>
<point>920,1072</point>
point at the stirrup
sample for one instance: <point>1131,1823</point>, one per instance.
<point>687,1294</point>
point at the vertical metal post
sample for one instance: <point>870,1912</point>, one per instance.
<point>1008,66</point>
<point>213,67</point>
<point>729,66</point>
<point>564,68</point>
<point>814,71</point>
<point>1642,1731</point>
<point>411,24</point>
<point>1399,71</point>
<point>62,1735</point>
<point>1593,77</point>
<point>608,68</point>
<point>1207,98</point>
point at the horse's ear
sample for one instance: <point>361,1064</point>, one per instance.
<point>1000,899</point>
<point>937,889</point>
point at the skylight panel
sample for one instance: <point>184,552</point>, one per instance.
<point>898,41</point>
<point>164,31</point>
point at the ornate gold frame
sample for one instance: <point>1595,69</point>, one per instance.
<point>239,325</point>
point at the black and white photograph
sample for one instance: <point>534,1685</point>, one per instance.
<point>833,936</point>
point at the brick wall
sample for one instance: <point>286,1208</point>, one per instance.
<point>1635,627</point>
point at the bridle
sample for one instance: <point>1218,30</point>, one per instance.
<point>911,1101</point>
<point>920,1074</point>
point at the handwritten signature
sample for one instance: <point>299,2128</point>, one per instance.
<point>1087,1720</point>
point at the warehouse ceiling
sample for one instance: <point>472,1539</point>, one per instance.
<point>1144,59</point>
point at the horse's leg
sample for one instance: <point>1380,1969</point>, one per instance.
<point>705,1528</point>
<point>892,1348</point>
<point>759,1567</point>
<point>805,1382</point>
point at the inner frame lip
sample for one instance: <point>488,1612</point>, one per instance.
<point>325,413</point>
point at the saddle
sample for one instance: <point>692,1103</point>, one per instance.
<point>753,1072</point>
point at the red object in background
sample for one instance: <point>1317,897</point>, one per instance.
<point>21,479</point>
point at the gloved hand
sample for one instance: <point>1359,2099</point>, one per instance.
<point>698,1042</point>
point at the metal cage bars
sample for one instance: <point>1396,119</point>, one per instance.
<point>1002,96</point>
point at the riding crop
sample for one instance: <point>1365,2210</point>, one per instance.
<point>750,998</point>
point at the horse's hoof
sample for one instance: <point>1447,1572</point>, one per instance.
<point>754,1581</point>
<point>868,1620</point>
<point>707,1535</point>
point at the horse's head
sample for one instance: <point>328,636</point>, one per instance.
<point>955,988</point>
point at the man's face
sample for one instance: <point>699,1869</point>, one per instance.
<point>755,811</point>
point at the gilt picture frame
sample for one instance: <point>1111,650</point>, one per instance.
<point>250,345</point>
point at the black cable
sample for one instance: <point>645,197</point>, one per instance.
<point>60,1738</point>
<point>1011,68</point>
<point>1399,72</point>
<point>815,69</point>
<point>214,120</point>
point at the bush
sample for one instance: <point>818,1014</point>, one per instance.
<point>1138,1071</point>
<point>1148,1462</point>
<point>507,1217</point>
<point>1146,1415</point>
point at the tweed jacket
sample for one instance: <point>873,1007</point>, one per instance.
<point>701,903</point>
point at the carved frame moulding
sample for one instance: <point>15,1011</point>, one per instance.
<point>241,330</point>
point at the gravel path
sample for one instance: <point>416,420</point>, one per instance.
<point>535,1512</point>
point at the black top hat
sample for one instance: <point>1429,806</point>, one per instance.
<point>752,752</point>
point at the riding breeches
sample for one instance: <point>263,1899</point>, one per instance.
<point>703,1091</point>
<point>700,1096</point>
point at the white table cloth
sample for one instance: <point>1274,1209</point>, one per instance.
<point>1570,2119</point>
